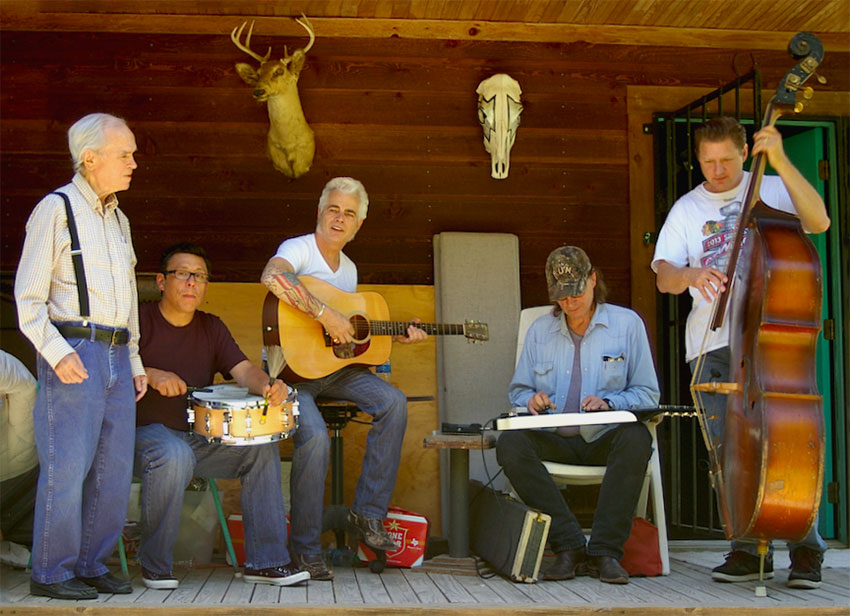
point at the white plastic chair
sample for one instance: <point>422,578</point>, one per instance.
<point>578,474</point>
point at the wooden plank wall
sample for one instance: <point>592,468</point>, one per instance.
<point>399,114</point>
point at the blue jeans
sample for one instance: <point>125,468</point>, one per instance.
<point>167,459</point>
<point>625,450</point>
<point>716,368</point>
<point>388,408</point>
<point>83,433</point>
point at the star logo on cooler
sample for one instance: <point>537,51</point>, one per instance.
<point>393,525</point>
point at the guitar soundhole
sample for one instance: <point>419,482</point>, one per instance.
<point>362,330</point>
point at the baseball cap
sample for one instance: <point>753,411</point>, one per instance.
<point>567,271</point>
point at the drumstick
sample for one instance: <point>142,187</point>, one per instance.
<point>266,402</point>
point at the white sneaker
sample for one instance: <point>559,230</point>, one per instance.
<point>277,576</point>
<point>14,554</point>
<point>159,581</point>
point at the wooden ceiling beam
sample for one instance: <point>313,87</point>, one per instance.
<point>14,19</point>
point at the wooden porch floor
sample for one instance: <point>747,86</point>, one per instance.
<point>444,585</point>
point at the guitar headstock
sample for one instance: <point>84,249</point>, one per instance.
<point>808,49</point>
<point>475,331</point>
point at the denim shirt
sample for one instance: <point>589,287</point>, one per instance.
<point>616,362</point>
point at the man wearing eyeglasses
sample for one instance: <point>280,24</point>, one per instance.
<point>184,347</point>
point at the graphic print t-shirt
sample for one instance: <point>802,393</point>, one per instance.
<point>699,232</point>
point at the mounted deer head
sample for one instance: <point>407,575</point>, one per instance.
<point>499,109</point>
<point>291,144</point>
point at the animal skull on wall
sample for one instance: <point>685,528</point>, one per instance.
<point>291,144</point>
<point>499,110</point>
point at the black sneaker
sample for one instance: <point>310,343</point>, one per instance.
<point>371,532</point>
<point>277,576</point>
<point>69,589</point>
<point>159,581</point>
<point>805,568</point>
<point>108,583</point>
<point>314,565</point>
<point>740,567</point>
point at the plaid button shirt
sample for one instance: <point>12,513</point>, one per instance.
<point>46,287</point>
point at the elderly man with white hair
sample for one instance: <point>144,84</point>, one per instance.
<point>77,303</point>
<point>342,210</point>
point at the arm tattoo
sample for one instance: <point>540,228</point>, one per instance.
<point>286,286</point>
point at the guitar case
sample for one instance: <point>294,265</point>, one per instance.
<point>506,533</point>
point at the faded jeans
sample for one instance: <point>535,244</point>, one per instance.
<point>83,434</point>
<point>625,450</point>
<point>167,459</point>
<point>716,368</point>
<point>388,408</point>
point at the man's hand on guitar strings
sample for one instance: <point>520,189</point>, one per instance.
<point>414,334</point>
<point>339,328</point>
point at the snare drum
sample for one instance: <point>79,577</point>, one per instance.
<point>231,416</point>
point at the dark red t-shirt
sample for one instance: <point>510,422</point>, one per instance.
<point>195,352</point>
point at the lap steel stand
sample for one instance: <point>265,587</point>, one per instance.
<point>459,446</point>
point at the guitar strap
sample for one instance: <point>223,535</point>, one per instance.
<point>76,258</point>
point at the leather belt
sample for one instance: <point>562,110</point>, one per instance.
<point>112,335</point>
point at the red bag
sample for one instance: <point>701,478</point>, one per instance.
<point>641,555</point>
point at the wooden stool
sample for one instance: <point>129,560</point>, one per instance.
<point>459,446</point>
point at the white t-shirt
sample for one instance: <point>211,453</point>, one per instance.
<point>698,232</point>
<point>303,254</point>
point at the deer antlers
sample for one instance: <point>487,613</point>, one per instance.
<point>236,35</point>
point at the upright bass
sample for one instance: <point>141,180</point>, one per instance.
<point>768,467</point>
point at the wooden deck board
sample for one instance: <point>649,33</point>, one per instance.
<point>424,587</point>
<point>217,584</point>
<point>451,588</point>
<point>190,587</point>
<point>319,593</point>
<point>238,593</point>
<point>678,590</point>
<point>479,589</point>
<point>436,589</point>
<point>371,587</point>
<point>345,586</point>
<point>265,594</point>
<point>397,587</point>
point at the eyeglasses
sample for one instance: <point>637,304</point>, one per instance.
<point>184,275</point>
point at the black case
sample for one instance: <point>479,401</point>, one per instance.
<point>506,533</point>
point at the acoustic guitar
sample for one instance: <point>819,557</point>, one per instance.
<point>311,353</point>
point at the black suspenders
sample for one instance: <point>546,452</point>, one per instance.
<point>76,258</point>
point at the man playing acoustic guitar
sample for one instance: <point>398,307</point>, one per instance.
<point>342,209</point>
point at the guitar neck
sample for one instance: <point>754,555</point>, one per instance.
<point>399,328</point>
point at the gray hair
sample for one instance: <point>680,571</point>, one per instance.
<point>89,133</point>
<point>348,186</point>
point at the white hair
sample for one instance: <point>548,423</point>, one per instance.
<point>89,133</point>
<point>347,186</point>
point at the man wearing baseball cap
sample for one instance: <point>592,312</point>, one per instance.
<point>585,356</point>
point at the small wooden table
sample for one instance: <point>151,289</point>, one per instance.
<point>459,446</point>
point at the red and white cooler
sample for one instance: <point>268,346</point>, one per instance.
<point>410,531</point>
